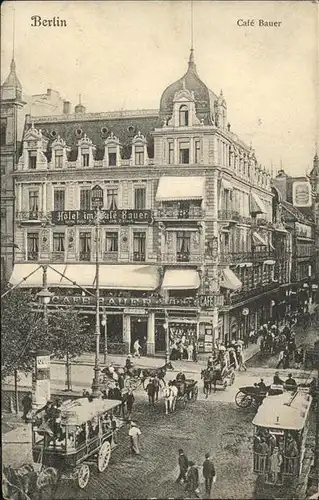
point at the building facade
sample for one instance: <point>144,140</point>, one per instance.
<point>187,237</point>
<point>14,106</point>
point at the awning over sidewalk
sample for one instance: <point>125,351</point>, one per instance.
<point>259,240</point>
<point>230,280</point>
<point>129,277</point>
<point>180,188</point>
<point>180,279</point>
<point>257,205</point>
<point>123,277</point>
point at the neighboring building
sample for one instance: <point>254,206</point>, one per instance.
<point>186,240</point>
<point>300,222</point>
<point>14,107</point>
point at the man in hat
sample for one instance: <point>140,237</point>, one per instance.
<point>183,466</point>
<point>135,434</point>
<point>209,474</point>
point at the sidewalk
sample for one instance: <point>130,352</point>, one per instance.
<point>88,359</point>
<point>16,441</point>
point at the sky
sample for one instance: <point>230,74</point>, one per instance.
<point>123,54</point>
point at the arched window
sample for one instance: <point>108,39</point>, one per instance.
<point>183,116</point>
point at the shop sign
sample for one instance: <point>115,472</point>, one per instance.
<point>43,362</point>
<point>203,301</point>
<point>97,197</point>
<point>139,311</point>
<point>86,217</point>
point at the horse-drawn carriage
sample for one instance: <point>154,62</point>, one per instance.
<point>250,396</point>
<point>216,376</point>
<point>187,391</point>
<point>134,376</point>
<point>85,434</point>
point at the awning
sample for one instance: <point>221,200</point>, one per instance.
<point>121,277</point>
<point>230,280</point>
<point>180,279</point>
<point>21,271</point>
<point>227,185</point>
<point>257,205</point>
<point>269,262</point>
<point>180,188</point>
<point>259,240</point>
<point>129,277</point>
<point>245,264</point>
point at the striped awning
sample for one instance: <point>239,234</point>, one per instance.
<point>230,280</point>
<point>257,205</point>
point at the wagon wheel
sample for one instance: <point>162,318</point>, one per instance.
<point>243,400</point>
<point>83,476</point>
<point>104,456</point>
<point>195,394</point>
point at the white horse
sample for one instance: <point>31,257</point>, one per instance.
<point>170,394</point>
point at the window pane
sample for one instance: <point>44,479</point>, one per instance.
<point>59,199</point>
<point>184,156</point>
<point>183,116</point>
<point>112,159</point>
<point>58,242</point>
<point>139,240</point>
<point>33,201</point>
<point>140,198</point>
<point>112,199</point>
<point>32,246</point>
<point>85,246</point>
<point>85,199</point>
<point>85,159</point>
<point>111,242</point>
<point>170,153</point>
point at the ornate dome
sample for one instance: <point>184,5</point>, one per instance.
<point>204,98</point>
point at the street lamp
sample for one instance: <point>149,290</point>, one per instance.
<point>45,296</point>
<point>166,328</point>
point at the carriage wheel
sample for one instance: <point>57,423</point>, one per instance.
<point>104,456</point>
<point>243,400</point>
<point>83,476</point>
<point>195,394</point>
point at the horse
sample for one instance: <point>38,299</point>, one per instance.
<point>170,393</point>
<point>208,377</point>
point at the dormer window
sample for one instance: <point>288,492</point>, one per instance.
<point>139,150</point>
<point>112,152</point>
<point>85,152</point>
<point>112,157</point>
<point>85,158</point>
<point>183,116</point>
<point>184,152</point>
<point>32,160</point>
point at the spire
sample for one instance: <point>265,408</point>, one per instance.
<point>12,82</point>
<point>191,60</point>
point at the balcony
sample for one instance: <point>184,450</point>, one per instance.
<point>57,256</point>
<point>181,258</point>
<point>33,216</point>
<point>236,257</point>
<point>110,256</point>
<point>85,256</point>
<point>191,213</point>
<point>228,215</point>
<point>138,256</point>
<point>243,295</point>
<point>32,255</point>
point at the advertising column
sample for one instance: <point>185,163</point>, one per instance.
<point>41,392</point>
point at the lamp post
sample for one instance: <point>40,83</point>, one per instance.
<point>45,296</point>
<point>97,203</point>
<point>104,324</point>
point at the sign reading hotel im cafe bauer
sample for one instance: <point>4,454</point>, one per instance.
<point>87,217</point>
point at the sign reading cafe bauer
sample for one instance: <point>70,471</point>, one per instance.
<point>83,217</point>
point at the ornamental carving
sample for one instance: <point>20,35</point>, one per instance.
<point>71,239</point>
<point>45,235</point>
<point>169,241</point>
<point>124,239</point>
<point>58,143</point>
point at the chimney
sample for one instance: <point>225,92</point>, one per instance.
<point>66,107</point>
<point>79,108</point>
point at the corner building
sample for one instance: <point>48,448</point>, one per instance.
<point>185,242</point>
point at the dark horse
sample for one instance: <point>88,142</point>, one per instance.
<point>146,373</point>
<point>211,376</point>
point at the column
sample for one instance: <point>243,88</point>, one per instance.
<point>44,197</point>
<point>127,332</point>
<point>176,155</point>
<point>150,344</point>
<point>191,150</point>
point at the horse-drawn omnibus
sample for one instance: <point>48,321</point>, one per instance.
<point>84,433</point>
<point>282,457</point>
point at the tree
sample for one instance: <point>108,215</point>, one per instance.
<point>21,332</point>
<point>67,337</point>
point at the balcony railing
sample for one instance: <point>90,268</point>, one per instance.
<point>176,213</point>
<point>34,216</point>
<point>242,295</point>
<point>138,256</point>
<point>234,257</point>
<point>85,256</point>
<point>32,255</point>
<point>110,256</point>
<point>58,256</point>
<point>228,215</point>
<point>181,257</point>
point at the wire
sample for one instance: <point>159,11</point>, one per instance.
<point>23,279</point>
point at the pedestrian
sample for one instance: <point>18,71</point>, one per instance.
<point>190,349</point>
<point>195,351</point>
<point>181,351</point>
<point>137,347</point>
<point>183,466</point>
<point>150,389</point>
<point>129,403</point>
<point>156,383</point>
<point>290,384</point>
<point>209,474</point>
<point>286,358</point>
<point>192,480</point>
<point>252,336</point>
<point>27,406</point>
<point>241,361</point>
<point>135,434</point>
